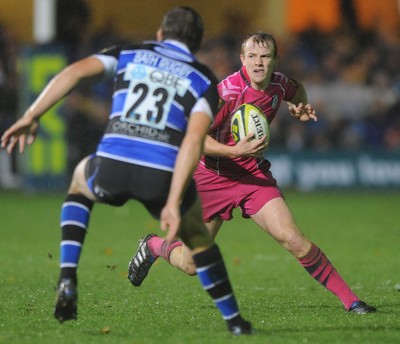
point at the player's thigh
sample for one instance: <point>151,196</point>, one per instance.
<point>276,219</point>
<point>78,184</point>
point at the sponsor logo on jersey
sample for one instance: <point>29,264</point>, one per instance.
<point>274,101</point>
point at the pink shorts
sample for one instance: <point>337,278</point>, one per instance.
<point>220,195</point>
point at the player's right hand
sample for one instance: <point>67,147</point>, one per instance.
<point>249,147</point>
<point>170,221</point>
<point>22,132</point>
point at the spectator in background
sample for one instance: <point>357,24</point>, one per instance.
<point>88,106</point>
<point>391,136</point>
<point>220,52</point>
<point>8,104</point>
<point>351,77</point>
<point>72,21</point>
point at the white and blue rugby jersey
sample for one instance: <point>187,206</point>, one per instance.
<point>156,87</point>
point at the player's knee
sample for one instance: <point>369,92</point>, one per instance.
<point>295,242</point>
<point>299,247</point>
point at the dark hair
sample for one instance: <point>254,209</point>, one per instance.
<point>72,17</point>
<point>261,37</point>
<point>185,25</point>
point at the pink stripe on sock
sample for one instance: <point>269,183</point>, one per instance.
<point>167,249</point>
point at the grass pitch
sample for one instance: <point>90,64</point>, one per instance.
<point>359,232</point>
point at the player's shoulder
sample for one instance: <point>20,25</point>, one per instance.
<point>232,84</point>
<point>206,71</point>
<point>282,79</point>
<point>279,77</point>
<point>234,79</point>
<point>115,50</point>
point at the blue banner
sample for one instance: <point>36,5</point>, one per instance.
<point>336,169</point>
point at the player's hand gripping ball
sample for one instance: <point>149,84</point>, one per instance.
<point>249,118</point>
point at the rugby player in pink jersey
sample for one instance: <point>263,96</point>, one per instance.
<point>233,175</point>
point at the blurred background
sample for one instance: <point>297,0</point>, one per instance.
<point>345,52</point>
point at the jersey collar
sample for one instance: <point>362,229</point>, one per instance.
<point>177,44</point>
<point>245,76</point>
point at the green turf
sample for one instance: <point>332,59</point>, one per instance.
<point>360,233</point>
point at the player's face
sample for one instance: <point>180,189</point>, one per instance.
<point>259,62</point>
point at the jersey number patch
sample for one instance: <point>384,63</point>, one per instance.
<point>150,95</point>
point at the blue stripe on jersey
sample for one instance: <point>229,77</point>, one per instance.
<point>73,213</point>
<point>176,118</point>
<point>118,101</point>
<point>199,84</point>
<point>124,58</point>
<point>138,151</point>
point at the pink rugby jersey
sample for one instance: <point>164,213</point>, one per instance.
<point>234,91</point>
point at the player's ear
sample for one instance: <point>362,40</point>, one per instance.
<point>160,35</point>
<point>242,58</point>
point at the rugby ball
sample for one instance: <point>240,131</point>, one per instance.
<point>249,118</point>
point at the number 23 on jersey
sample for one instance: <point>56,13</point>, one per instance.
<point>150,95</point>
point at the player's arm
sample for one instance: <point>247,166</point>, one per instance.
<point>245,147</point>
<point>24,131</point>
<point>299,107</point>
<point>186,162</point>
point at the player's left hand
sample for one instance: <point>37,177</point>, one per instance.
<point>302,112</point>
<point>170,221</point>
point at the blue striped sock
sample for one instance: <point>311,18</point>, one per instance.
<point>75,215</point>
